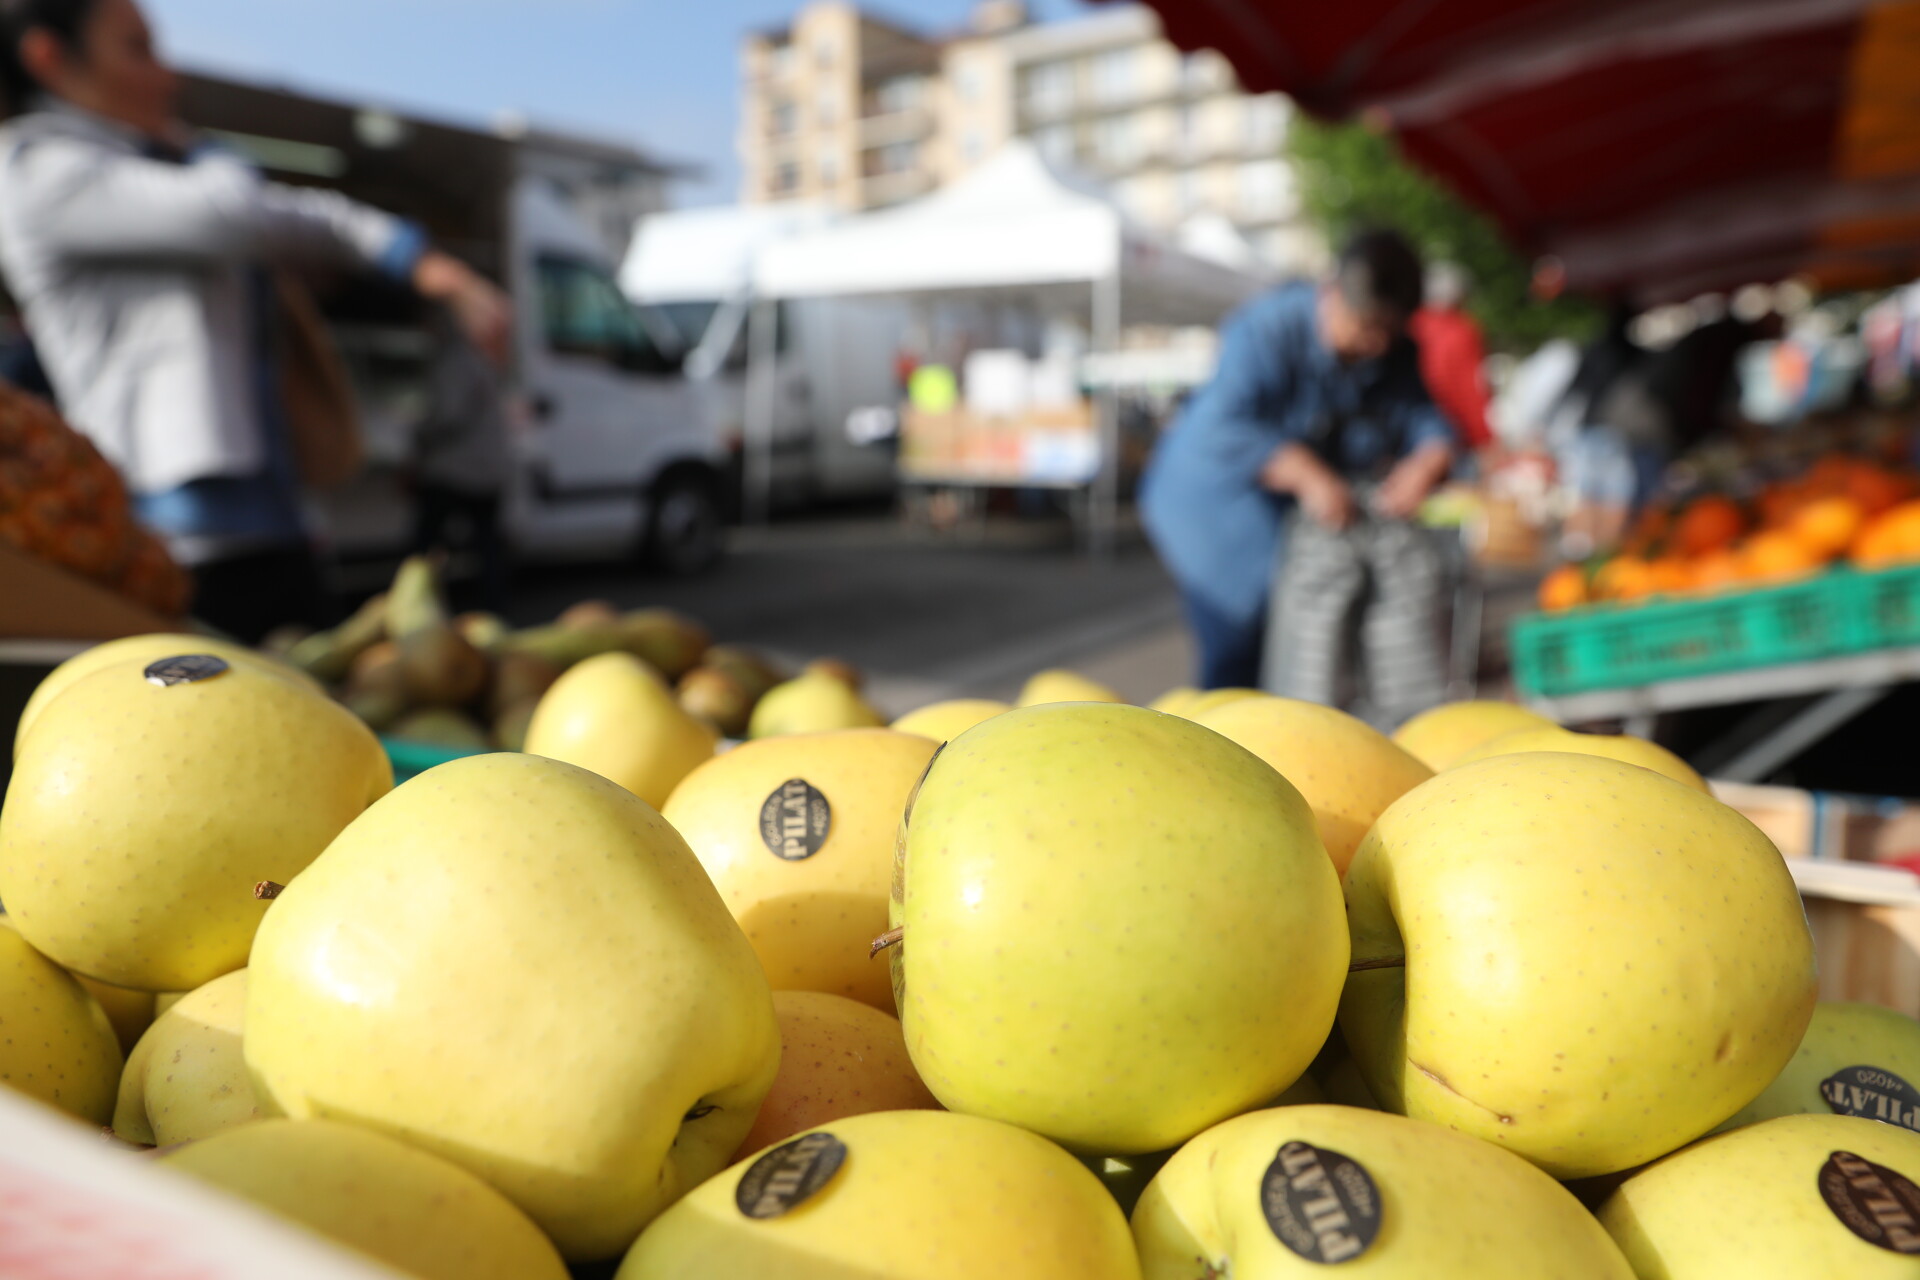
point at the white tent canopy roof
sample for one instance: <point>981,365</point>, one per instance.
<point>1013,225</point>
<point>704,255</point>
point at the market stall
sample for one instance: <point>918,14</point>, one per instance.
<point>1018,232</point>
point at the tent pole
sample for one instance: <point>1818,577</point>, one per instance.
<point>756,458</point>
<point>1105,498</point>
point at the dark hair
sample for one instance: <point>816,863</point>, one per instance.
<point>66,19</point>
<point>1380,277</point>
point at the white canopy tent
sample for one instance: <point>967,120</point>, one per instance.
<point>1014,228</point>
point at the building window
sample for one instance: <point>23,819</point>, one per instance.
<point>902,93</point>
<point>899,157</point>
<point>1265,123</point>
<point>825,52</point>
<point>780,63</point>
<point>1050,89</point>
<point>826,107</point>
<point>1113,76</point>
<point>1056,145</point>
<point>782,118</point>
<point>1114,141</point>
<point>786,178</point>
<point>828,167</point>
<point>1266,190</point>
<point>967,79</point>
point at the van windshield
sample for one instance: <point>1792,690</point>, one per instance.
<point>686,321</point>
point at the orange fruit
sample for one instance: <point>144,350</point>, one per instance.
<point>1623,578</point>
<point>1827,526</point>
<point>1777,556</point>
<point>1564,588</point>
<point>1889,539</point>
<point>1708,524</point>
<point>1875,489</point>
<point>1718,571</point>
<point>1670,575</point>
<point>1778,502</point>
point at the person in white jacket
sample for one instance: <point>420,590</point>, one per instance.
<point>141,260</point>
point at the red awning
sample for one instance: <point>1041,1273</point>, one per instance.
<point>1669,147</point>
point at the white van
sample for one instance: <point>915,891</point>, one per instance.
<point>690,273</point>
<point>615,453</point>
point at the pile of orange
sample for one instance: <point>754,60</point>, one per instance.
<point>60,501</point>
<point>1843,508</point>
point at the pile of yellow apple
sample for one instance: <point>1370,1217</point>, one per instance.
<point>1232,987</point>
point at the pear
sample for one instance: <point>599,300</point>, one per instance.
<point>716,697</point>
<point>797,833</point>
<point>838,1058</point>
<point>1785,1199</point>
<point>1063,686</point>
<point>412,1211</point>
<point>812,703</point>
<point>919,1194</point>
<point>670,644</point>
<point>510,729</point>
<point>845,672</point>
<point>441,727</point>
<point>1855,1060</point>
<point>1304,1191</point>
<point>1347,770</point>
<point>755,674</point>
<point>602,1053</point>
<point>945,721</point>
<point>486,632</point>
<point>1622,747</point>
<point>588,615</point>
<point>612,714</point>
<point>150,799</point>
<point>56,1043</point>
<point>520,678</point>
<point>1440,737</point>
<point>439,667</point>
<point>565,646</point>
<point>146,648</point>
<point>1118,927</point>
<point>186,1079</point>
<point>328,655</point>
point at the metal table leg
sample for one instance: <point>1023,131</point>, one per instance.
<point>1802,731</point>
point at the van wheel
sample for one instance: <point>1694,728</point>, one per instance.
<point>684,529</point>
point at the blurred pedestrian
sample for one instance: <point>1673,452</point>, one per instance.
<point>1317,390</point>
<point>146,264</point>
<point>1453,356</point>
<point>1361,577</point>
<point>462,459</point>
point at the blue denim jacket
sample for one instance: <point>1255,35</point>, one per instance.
<point>1215,528</point>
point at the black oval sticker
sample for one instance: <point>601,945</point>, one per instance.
<point>1873,1093</point>
<point>789,1174</point>
<point>1872,1201</point>
<point>1320,1204</point>
<point>795,820</point>
<point>188,668</point>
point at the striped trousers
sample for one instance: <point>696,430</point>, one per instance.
<point>1360,613</point>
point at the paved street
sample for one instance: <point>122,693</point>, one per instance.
<point>926,616</point>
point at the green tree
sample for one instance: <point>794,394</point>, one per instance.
<point>1352,177</point>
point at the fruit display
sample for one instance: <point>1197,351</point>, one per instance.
<point>61,502</point>
<point>417,673</point>
<point>1841,510</point>
<point>1239,987</point>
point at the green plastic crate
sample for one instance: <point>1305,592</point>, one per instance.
<point>411,759</point>
<point>1627,646</point>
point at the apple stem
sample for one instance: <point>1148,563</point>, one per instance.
<point>267,890</point>
<point>1385,962</point>
<point>890,938</point>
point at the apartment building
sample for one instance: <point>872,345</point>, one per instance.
<point>852,110</point>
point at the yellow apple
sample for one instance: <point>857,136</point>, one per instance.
<point>814,702</point>
<point>944,721</point>
<point>1441,736</point>
<point>1792,1198</point>
<point>1063,686</point>
<point>1202,703</point>
<point>910,1195</point>
<point>1600,963</point>
<point>517,965</point>
<point>131,1012</point>
<point>613,714</point>
<point>186,1079</point>
<point>1855,1060</point>
<point>1119,927</point>
<point>1630,750</point>
<point>149,800</point>
<point>1315,1190</point>
<point>56,1043</point>
<point>797,833</point>
<point>1348,771</point>
<point>838,1058</point>
<point>142,649</point>
<point>416,1212</point>
<point>1175,701</point>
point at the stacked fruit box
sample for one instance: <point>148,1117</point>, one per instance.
<point>1231,985</point>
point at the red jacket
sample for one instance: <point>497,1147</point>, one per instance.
<point>1451,354</point>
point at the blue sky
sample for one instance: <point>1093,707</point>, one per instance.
<point>656,72</point>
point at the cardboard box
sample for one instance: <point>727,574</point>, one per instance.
<point>1866,931</point>
<point>40,601</point>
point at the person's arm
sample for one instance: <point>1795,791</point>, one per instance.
<point>1325,497</point>
<point>1431,447</point>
